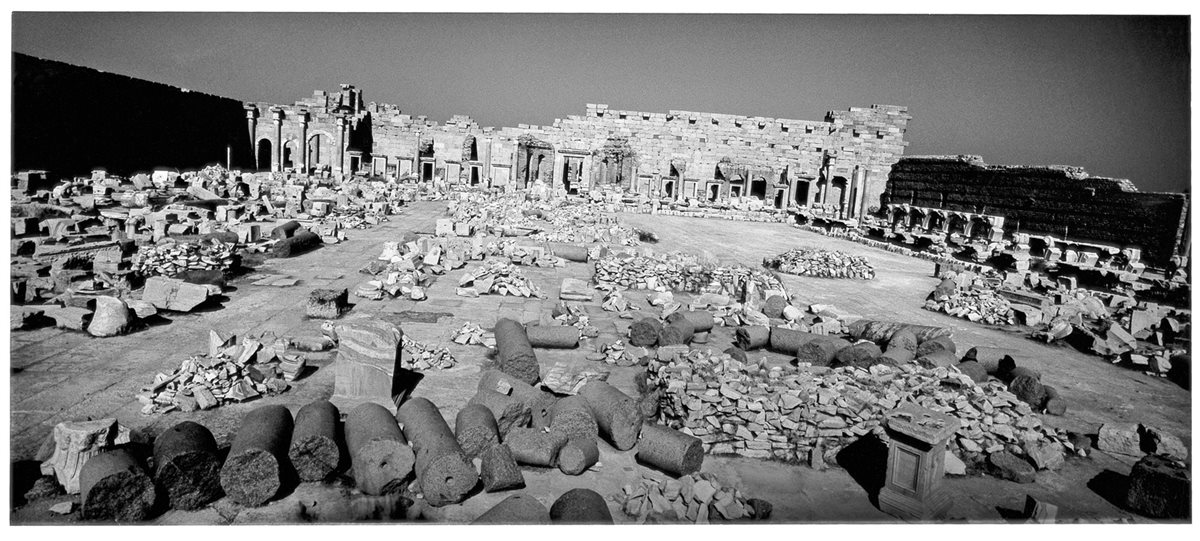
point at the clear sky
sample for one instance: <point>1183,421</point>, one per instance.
<point>1110,94</point>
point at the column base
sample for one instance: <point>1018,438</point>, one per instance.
<point>905,507</point>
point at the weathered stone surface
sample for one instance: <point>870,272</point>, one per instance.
<point>114,486</point>
<point>520,509</point>
<point>111,317</point>
<point>1029,390</point>
<point>1120,438</point>
<point>954,465</point>
<point>1055,404</point>
<point>187,465</point>
<point>141,309</point>
<point>509,411</point>
<point>1045,455</point>
<point>534,446</point>
<point>862,354</point>
<point>368,351</point>
<point>644,332</point>
<point>514,353</point>
<point>580,506</point>
<point>74,442</point>
<point>1158,487</point>
<point>176,295</point>
<point>327,303</point>
<point>617,415</point>
<point>1156,441</point>
<point>577,455</point>
<point>1009,466</point>
<point>499,470</point>
<point>820,351</point>
<point>68,317</point>
<point>975,371</point>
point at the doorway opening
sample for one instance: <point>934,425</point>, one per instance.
<point>264,155</point>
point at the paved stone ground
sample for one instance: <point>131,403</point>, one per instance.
<point>58,375</point>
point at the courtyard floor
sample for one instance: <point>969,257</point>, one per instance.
<point>59,375</point>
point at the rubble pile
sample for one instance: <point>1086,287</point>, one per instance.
<point>821,264</point>
<point>419,356</point>
<point>614,300</point>
<point>617,353</point>
<point>496,277</point>
<point>97,235</point>
<point>975,305</point>
<point>1113,326</point>
<point>934,253</point>
<point>565,221</point>
<point>698,498</point>
<point>471,334</point>
<point>172,258</point>
<point>746,409</point>
<point>682,273</point>
<point>228,373</point>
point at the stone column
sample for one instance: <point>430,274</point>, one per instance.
<point>252,125</point>
<point>828,185</point>
<point>585,174</point>
<point>811,198</point>
<point>341,163</point>
<point>791,194</point>
<point>860,189</point>
<point>558,177</point>
<point>277,159</point>
<point>916,463</point>
<point>844,203</point>
<point>304,142</point>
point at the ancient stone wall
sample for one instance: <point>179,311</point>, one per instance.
<point>761,156</point>
<point>1061,201</point>
<point>70,119</point>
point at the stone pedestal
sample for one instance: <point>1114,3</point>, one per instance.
<point>916,464</point>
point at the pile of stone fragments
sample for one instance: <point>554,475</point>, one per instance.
<point>679,272</point>
<point>86,239</point>
<point>743,408</point>
<point>229,372</point>
<point>821,264</point>
<point>698,498</point>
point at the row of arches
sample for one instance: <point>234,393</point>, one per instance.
<point>941,221</point>
<point>321,153</point>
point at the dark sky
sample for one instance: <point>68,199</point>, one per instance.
<point>1110,94</point>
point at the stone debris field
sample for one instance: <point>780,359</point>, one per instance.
<point>496,327</point>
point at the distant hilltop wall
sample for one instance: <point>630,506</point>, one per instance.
<point>1056,200</point>
<point>70,119</point>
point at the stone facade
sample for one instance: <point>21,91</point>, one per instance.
<point>838,165</point>
<point>1064,204</point>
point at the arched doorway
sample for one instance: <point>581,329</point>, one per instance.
<point>669,188</point>
<point>319,151</point>
<point>958,224</point>
<point>980,228</point>
<point>263,157</point>
<point>916,218</point>
<point>937,221</point>
<point>289,154</point>
<point>714,191</point>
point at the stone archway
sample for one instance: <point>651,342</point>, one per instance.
<point>262,157</point>
<point>320,151</point>
<point>291,154</point>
